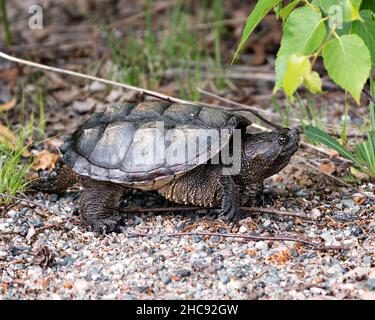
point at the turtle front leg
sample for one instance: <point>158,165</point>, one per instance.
<point>205,186</point>
<point>229,194</point>
<point>98,204</point>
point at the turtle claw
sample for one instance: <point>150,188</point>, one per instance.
<point>104,226</point>
<point>265,199</point>
<point>231,214</point>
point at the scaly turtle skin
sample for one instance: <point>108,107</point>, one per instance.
<point>151,146</point>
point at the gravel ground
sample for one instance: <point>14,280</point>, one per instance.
<point>67,262</point>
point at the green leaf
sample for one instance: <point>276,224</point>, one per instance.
<point>313,82</point>
<point>298,67</point>
<point>350,8</point>
<point>366,30</point>
<point>285,12</point>
<point>368,4</point>
<point>304,32</point>
<point>348,62</point>
<point>259,12</point>
<point>319,135</point>
<point>365,151</point>
<point>299,71</point>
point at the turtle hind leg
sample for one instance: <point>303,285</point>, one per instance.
<point>60,179</point>
<point>98,205</point>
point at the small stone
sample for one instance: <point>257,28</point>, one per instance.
<point>165,279</point>
<point>348,203</point>
<point>12,213</point>
<point>183,273</point>
<point>370,284</point>
<point>81,285</point>
<point>315,213</point>
<point>243,229</point>
<point>97,86</point>
<point>224,278</point>
<point>84,106</point>
<point>261,245</point>
<point>327,237</point>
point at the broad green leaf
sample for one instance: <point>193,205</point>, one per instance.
<point>313,82</point>
<point>298,67</point>
<point>298,71</point>
<point>304,32</point>
<point>368,4</point>
<point>259,12</point>
<point>285,12</point>
<point>348,62</point>
<point>366,30</point>
<point>349,8</point>
<point>319,135</point>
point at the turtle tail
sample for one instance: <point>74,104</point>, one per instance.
<point>58,181</point>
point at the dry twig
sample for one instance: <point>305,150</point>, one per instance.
<point>315,245</point>
<point>246,209</point>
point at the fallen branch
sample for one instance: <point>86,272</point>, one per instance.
<point>85,76</point>
<point>246,209</point>
<point>315,245</point>
<point>241,106</point>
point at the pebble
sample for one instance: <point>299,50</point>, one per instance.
<point>370,284</point>
<point>165,279</point>
<point>261,245</point>
<point>97,86</point>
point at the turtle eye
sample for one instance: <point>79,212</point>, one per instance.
<point>283,139</point>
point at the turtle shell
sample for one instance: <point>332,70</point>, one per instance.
<point>149,144</point>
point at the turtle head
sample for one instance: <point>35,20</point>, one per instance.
<point>265,154</point>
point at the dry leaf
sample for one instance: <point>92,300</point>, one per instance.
<point>280,258</point>
<point>45,160</point>
<point>328,168</point>
<point>359,200</point>
<point>68,285</point>
<point>7,136</point>
<point>8,105</point>
<point>359,174</point>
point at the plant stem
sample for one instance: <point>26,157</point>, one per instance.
<point>4,17</point>
<point>372,105</point>
<point>344,129</point>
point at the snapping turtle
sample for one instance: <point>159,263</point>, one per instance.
<point>159,146</point>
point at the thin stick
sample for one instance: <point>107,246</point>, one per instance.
<point>84,76</point>
<point>247,209</point>
<point>242,106</point>
<point>31,202</point>
<point>369,95</point>
<point>315,245</point>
